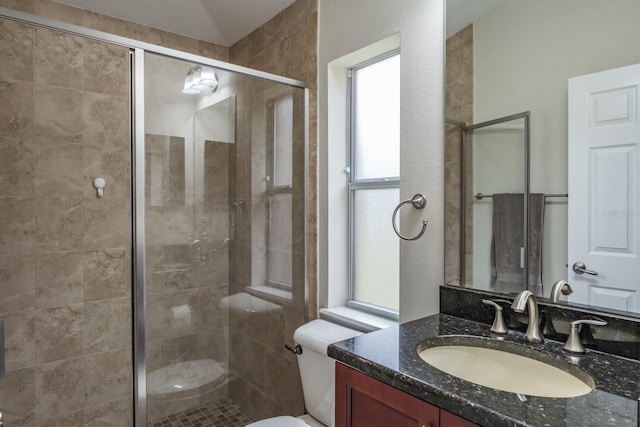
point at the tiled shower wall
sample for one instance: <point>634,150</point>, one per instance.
<point>266,380</point>
<point>64,253</point>
<point>287,45</point>
<point>459,106</point>
<point>84,18</point>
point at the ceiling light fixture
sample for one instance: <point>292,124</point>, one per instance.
<point>200,79</point>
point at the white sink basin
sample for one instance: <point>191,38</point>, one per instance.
<point>507,371</point>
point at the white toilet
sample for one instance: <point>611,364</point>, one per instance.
<point>317,371</point>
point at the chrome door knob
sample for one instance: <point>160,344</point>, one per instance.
<point>580,268</point>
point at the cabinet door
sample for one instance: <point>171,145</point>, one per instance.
<point>447,419</point>
<point>362,401</point>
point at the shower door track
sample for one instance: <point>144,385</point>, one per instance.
<point>138,49</point>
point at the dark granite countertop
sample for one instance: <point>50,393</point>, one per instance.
<point>390,356</point>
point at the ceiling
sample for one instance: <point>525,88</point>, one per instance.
<point>222,22</point>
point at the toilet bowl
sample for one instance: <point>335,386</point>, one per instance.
<point>316,373</point>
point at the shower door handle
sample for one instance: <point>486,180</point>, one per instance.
<point>580,268</point>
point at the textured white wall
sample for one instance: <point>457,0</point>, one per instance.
<point>344,27</point>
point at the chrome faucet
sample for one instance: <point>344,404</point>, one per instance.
<point>560,287</point>
<point>528,300</point>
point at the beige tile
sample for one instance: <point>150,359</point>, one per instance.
<point>301,64</point>
<point>59,387</point>
<point>17,233</point>
<point>58,112</point>
<point>107,376</point>
<point>164,279</point>
<point>164,352</point>
<point>17,282</point>
<point>59,278</point>
<point>213,265</point>
<point>211,313</point>
<point>16,50</point>
<point>274,29</point>
<point>256,62</point>
<point>61,12</point>
<point>59,332</point>
<point>214,344</point>
<point>214,51</point>
<point>106,119</point>
<point>300,15</point>
<point>142,33</point>
<point>58,59</point>
<point>216,171</point>
<point>59,223</point>
<point>106,223</point>
<point>16,167</point>
<point>105,23</point>
<point>106,68</point>
<point>107,325</point>
<point>282,382</point>
<point>106,274</point>
<point>172,315</point>
<point>28,6</point>
<point>117,413</point>
<point>56,166</point>
<point>255,42</point>
<point>16,109</point>
<point>274,58</point>
<point>18,397</point>
<point>238,52</point>
<point>19,334</point>
<point>72,419</point>
<point>110,163</point>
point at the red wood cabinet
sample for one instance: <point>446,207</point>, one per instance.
<point>362,401</point>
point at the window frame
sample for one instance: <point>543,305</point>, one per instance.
<point>272,190</point>
<point>354,185</point>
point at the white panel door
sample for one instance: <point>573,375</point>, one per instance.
<point>604,193</point>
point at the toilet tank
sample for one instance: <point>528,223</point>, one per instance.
<point>317,370</point>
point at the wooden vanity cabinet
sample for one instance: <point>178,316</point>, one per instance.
<point>362,401</point>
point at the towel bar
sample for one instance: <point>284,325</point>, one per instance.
<point>418,201</point>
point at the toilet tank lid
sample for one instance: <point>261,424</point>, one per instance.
<point>318,334</point>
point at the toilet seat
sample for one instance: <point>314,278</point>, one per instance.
<point>285,421</point>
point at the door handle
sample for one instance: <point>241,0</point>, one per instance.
<point>580,268</point>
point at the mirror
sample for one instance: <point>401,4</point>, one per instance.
<point>510,56</point>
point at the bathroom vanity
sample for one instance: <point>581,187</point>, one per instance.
<point>364,401</point>
<point>381,380</point>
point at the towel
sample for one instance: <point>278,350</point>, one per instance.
<point>507,239</point>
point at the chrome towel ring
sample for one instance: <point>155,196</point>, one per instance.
<point>419,202</point>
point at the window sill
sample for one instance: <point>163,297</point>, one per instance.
<point>270,293</point>
<point>356,319</point>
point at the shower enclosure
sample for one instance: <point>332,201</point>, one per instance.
<point>494,158</point>
<point>172,291</point>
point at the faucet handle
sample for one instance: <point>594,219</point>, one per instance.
<point>498,326</point>
<point>574,344</point>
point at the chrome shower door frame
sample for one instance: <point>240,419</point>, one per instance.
<point>137,111</point>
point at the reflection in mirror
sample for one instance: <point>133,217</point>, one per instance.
<point>507,56</point>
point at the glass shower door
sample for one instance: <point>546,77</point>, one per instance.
<point>224,231</point>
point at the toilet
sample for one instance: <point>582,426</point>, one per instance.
<point>317,372</point>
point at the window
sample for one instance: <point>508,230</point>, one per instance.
<point>374,184</point>
<point>280,193</point>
